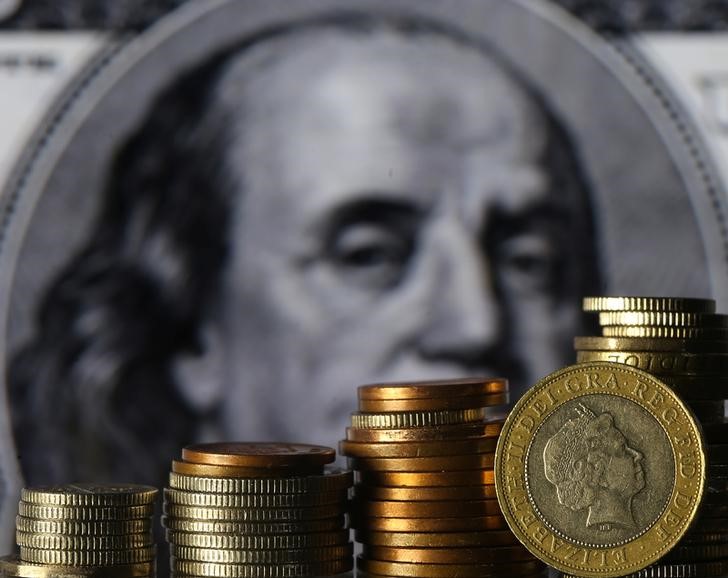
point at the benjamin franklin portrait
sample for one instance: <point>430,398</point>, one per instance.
<point>309,199</point>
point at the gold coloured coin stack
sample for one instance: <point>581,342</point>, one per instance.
<point>684,343</point>
<point>425,504</point>
<point>257,510</point>
<point>84,530</point>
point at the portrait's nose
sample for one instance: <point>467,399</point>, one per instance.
<point>464,319</point>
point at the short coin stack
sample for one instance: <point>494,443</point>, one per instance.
<point>76,530</point>
<point>684,343</point>
<point>424,505</point>
<point>257,510</point>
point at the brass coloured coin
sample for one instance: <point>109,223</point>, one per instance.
<point>660,363</point>
<point>686,304</point>
<point>433,404</point>
<point>259,542</point>
<point>664,331</point>
<point>84,494</point>
<point>254,514</point>
<point>417,449</point>
<point>332,480</point>
<point>84,513</point>
<point>12,566</point>
<point>87,557</point>
<point>81,528</point>
<point>647,344</point>
<point>287,556</point>
<point>416,419</point>
<point>664,318</point>
<point>426,434</point>
<point>216,570</point>
<point>571,417</point>
<point>466,387</point>
<point>431,464</point>
<point>204,499</point>
<point>63,542</point>
<point>259,455</point>
<point>253,528</point>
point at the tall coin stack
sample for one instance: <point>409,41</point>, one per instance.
<point>77,530</point>
<point>425,504</point>
<point>257,510</point>
<point>684,343</point>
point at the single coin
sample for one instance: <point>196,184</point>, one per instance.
<point>659,363</point>
<point>80,528</point>
<point>647,344</point>
<point>259,455</point>
<point>62,542</point>
<point>666,318</point>
<point>253,528</point>
<point>427,479</point>
<point>87,557</point>
<point>688,305</point>
<point>13,566</point>
<point>434,404</point>
<point>406,570</point>
<point>489,555</point>
<point>434,464</point>
<point>447,493</point>
<point>619,423</point>
<point>259,542</point>
<point>426,434</point>
<point>451,509</point>
<point>81,494</point>
<point>697,552</point>
<point>216,570</point>
<point>677,570</point>
<point>664,331</point>
<point>205,499</point>
<point>447,388</point>
<point>218,556</point>
<point>435,540</point>
<point>84,513</point>
<point>438,525</point>
<point>254,514</point>
<point>417,449</point>
<point>416,418</point>
<point>332,480</point>
<point>212,471</point>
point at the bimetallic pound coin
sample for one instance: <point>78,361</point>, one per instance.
<point>600,469</point>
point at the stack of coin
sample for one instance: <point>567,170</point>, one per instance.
<point>84,530</point>
<point>684,343</point>
<point>257,510</point>
<point>424,505</point>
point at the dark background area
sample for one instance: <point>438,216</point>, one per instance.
<point>609,16</point>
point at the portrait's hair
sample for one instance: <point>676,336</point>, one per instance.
<point>93,394</point>
<point>574,460</point>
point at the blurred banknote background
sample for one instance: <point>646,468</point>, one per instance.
<point>218,217</point>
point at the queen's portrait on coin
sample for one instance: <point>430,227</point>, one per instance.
<point>593,466</point>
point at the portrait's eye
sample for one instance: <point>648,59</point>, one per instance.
<point>527,263</point>
<point>370,254</point>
